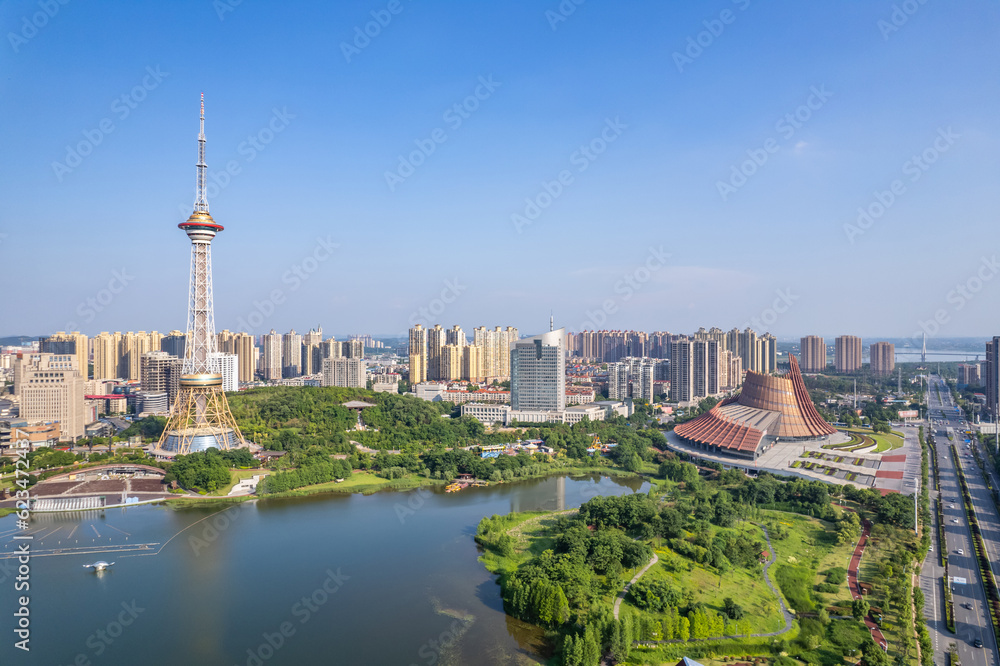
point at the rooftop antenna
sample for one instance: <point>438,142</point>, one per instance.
<point>552,321</point>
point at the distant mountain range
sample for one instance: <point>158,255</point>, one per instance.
<point>17,340</point>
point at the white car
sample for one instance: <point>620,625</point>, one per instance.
<point>960,551</point>
<point>955,520</point>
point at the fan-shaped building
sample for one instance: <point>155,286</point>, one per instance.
<point>768,410</point>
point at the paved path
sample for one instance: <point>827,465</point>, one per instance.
<point>855,587</point>
<point>628,585</point>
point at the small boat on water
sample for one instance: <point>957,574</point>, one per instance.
<point>99,565</point>
<point>455,487</point>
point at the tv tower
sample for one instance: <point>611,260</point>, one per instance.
<point>200,418</point>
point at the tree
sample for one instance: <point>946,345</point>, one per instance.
<point>860,608</point>
<point>683,629</point>
<point>732,609</point>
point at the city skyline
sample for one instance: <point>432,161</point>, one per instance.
<point>620,233</point>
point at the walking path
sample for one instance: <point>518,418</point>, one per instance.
<point>855,587</point>
<point>628,585</point>
<point>781,602</point>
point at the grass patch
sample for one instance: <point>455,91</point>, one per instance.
<point>796,584</point>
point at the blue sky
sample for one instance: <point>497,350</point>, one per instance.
<point>640,234</point>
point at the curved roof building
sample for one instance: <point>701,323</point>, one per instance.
<point>767,410</point>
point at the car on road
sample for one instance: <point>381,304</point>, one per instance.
<point>967,606</point>
<point>960,551</point>
<point>951,506</point>
<point>955,520</point>
<point>977,643</point>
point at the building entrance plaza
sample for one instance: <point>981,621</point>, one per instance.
<point>893,471</point>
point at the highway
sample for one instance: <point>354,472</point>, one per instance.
<point>972,620</point>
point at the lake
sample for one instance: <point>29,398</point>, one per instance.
<point>389,578</point>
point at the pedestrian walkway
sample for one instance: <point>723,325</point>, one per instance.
<point>855,586</point>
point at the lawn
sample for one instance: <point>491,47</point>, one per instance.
<point>746,587</point>
<point>237,475</point>
<point>883,442</point>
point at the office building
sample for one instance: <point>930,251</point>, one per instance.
<point>883,358</point>
<point>847,353</point>
<point>813,351</point>
<point>50,388</point>
<point>538,372</point>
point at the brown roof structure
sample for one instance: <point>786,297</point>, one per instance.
<point>767,406</point>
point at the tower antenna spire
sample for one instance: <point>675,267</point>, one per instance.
<point>200,197</point>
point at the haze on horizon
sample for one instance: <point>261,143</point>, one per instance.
<point>591,167</point>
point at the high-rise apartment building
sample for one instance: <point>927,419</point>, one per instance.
<point>538,372</point>
<point>242,345</point>
<point>991,377</point>
<point>681,370</point>
<point>161,373</point>
<point>349,372</point>
<point>768,356</point>
<point>352,349</point>
<point>450,363</point>
<point>632,378</point>
<point>813,352</point>
<point>435,341</point>
<point>229,364</point>
<point>271,360</point>
<point>174,343</point>
<point>106,355</point>
<point>472,363</point>
<point>883,358</point>
<point>418,354</point>
<point>969,374</point>
<point>68,343</point>
<point>455,336</point>
<point>310,351</point>
<point>50,388</point>
<point>847,353</point>
<point>291,354</point>
<point>749,350</point>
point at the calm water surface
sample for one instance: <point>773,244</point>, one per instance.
<point>391,578</point>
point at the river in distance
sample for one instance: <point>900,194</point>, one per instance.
<point>389,578</point>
